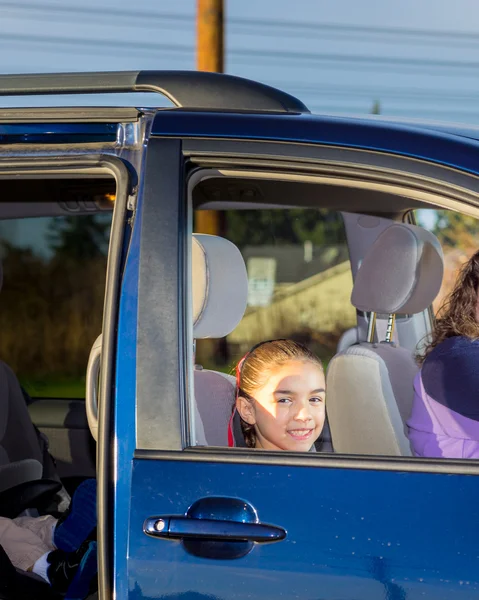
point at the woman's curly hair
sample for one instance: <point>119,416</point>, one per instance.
<point>459,313</point>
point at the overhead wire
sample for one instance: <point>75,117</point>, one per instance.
<point>438,95</point>
<point>346,61</point>
<point>340,62</point>
<point>110,12</point>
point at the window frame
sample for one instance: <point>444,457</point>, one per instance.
<point>440,185</point>
<point>86,163</point>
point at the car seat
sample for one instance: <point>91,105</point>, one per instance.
<point>220,293</point>
<point>370,385</point>
<point>24,457</point>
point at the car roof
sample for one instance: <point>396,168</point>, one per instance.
<point>225,106</point>
<point>457,129</point>
<point>451,146</point>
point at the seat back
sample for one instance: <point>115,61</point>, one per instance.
<point>349,338</point>
<point>370,385</point>
<point>220,292</point>
<point>215,395</point>
<point>24,454</point>
<point>18,438</point>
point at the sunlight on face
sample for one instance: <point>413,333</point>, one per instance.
<point>288,411</point>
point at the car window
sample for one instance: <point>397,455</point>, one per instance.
<point>299,287</point>
<point>299,282</point>
<point>51,302</point>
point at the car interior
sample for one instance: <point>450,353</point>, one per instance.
<point>54,235</point>
<point>371,340</point>
<point>64,421</point>
<point>371,371</point>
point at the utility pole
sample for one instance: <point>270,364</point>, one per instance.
<point>210,36</point>
<point>210,57</point>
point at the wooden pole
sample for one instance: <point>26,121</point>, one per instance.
<point>210,57</point>
<point>210,36</point>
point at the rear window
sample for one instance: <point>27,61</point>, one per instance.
<point>51,302</point>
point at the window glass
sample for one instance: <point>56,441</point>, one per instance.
<point>299,282</point>
<point>51,303</point>
<point>459,237</point>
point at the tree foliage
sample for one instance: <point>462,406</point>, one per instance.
<point>456,230</point>
<point>51,305</point>
<point>295,226</point>
<point>79,239</point>
<point>376,109</point>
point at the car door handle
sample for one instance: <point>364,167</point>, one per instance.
<point>173,527</point>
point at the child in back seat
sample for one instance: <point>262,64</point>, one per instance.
<point>61,551</point>
<point>280,396</point>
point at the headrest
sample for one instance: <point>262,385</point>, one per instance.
<point>401,272</point>
<point>220,286</point>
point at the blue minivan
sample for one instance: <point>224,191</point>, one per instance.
<point>299,202</point>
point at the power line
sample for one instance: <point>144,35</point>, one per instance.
<point>459,36</point>
<point>88,44</point>
<point>340,36</point>
<point>396,112</point>
<point>360,59</point>
<point>172,23</point>
<point>438,95</point>
<point>349,61</point>
<point>91,11</point>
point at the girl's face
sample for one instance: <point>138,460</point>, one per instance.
<point>288,410</point>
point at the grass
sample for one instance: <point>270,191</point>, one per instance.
<point>61,387</point>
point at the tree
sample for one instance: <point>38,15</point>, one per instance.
<point>295,226</point>
<point>376,110</point>
<point>80,238</point>
<point>456,230</point>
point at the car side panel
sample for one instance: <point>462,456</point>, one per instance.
<point>351,534</point>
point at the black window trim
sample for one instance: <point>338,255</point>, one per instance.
<point>161,321</point>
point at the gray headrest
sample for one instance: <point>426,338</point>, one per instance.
<point>401,272</point>
<point>220,286</point>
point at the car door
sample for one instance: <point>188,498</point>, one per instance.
<point>317,526</point>
<point>54,229</point>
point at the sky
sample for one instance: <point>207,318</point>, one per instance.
<point>417,58</point>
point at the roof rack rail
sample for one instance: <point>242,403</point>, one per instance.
<point>186,89</point>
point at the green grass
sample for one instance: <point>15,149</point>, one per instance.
<point>61,387</point>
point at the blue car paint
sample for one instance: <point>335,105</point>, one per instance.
<point>125,392</point>
<point>351,534</point>
<point>440,147</point>
<point>57,133</point>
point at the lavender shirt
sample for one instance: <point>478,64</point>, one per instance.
<point>445,414</point>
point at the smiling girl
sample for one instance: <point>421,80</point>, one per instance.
<point>280,396</point>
